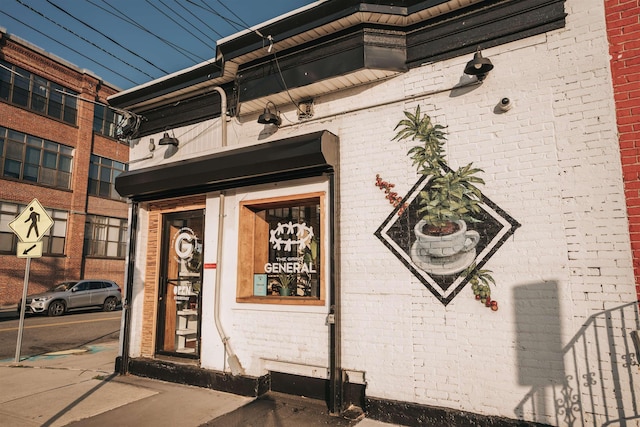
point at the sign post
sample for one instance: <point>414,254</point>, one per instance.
<point>30,225</point>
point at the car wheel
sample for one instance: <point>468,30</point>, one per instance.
<point>56,308</point>
<point>110,304</point>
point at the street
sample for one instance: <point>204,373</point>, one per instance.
<point>44,334</point>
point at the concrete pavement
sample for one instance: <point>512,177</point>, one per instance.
<point>78,387</point>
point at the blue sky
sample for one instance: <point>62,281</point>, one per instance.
<point>130,42</point>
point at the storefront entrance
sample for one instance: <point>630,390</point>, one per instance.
<point>179,304</point>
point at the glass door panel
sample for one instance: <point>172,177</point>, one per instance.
<point>181,284</point>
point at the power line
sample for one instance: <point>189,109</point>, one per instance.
<point>107,37</point>
<point>201,21</point>
<point>177,23</point>
<point>70,48</point>
<point>188,21</point>
<point>82,38</point>
<point>194,58</point>
<point>229,21</point>
<point>226,7</point>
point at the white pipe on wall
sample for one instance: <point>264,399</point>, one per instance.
<point>234,362</point>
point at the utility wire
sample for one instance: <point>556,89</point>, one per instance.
<point>189,55</point>
<point>176,22</point>
<point>199,19</point>
<point>232,12</point>
<point>70,48</point>
<point>82,38</point>
<point>107,37</point>
<point>188,21</point>
<point>229,21</point>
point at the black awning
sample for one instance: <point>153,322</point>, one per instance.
<point>300,156</point>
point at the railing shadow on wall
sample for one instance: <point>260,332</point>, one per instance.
<point>593,380</point>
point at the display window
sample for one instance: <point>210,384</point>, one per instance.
<point>280,252</point>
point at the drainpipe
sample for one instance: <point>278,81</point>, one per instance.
<point>334,320</point>
<point>232,359</point>
<point>223,114</point>
<point>126,306</point>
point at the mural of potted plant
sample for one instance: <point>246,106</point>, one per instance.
<point>444,243</point>
<point>444,229</point>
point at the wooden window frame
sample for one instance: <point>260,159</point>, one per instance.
<point>252,230</point>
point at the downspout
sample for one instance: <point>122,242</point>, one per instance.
<point>126,305</point>
<point>334,319</point>
<point>234,362</point>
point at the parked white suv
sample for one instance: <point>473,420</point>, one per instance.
<point>75,294</point>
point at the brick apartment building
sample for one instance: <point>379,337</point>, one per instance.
<point>57,144</point>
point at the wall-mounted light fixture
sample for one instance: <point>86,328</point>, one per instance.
<point>269,118</point>
<point>478,66</point>
<point>168,140</point>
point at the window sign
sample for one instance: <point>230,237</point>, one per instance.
<point>280,254</point>
<point>293,257</point>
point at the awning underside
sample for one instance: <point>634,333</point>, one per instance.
<point>301,156</point>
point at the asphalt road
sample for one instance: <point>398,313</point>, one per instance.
<point>44,334</point>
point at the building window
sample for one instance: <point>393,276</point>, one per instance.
<point>27,158</point>
<point>20,87</point>
<point>102,177</point>
<point>53,241</point>
<point>105,120</point>
<point>105,237</point>
<point>280,250</point>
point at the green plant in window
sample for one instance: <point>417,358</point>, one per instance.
<point>287,282</point>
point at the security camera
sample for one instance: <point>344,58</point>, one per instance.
<point>505,104</point>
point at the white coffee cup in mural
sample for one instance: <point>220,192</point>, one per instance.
<point>462,240</point>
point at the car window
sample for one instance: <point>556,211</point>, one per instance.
<point>62,287</point>
<point>82,286</point>
<point>95,285</point>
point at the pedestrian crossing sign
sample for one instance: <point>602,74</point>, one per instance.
<point>29,250</point>
<point>32,223</point>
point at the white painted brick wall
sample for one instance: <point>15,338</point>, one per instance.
<point>552,162</point>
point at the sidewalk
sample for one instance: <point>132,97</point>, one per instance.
<point>79,388</point>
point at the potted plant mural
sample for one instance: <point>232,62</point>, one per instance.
<point>444,244</point>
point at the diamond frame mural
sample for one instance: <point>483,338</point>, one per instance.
<point>444,274</point>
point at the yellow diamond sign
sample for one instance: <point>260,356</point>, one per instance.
<point>32,223</point>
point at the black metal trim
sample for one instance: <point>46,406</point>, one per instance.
<point>322,14</point>
<point>126,305</point>
<point>193,109</point>
<point>335,55</point>
<point>300,156</point>
<point>157,88</point>
<point>415,414</point>
<point>200,377</point>
<point>486,24</point>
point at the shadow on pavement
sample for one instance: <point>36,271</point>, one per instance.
<point>281,410</point>
<point>76,402</point>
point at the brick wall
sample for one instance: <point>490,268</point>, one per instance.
<point>623,30</point>
<point>47,271</point>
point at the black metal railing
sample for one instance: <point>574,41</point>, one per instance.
<point>601,379</point>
